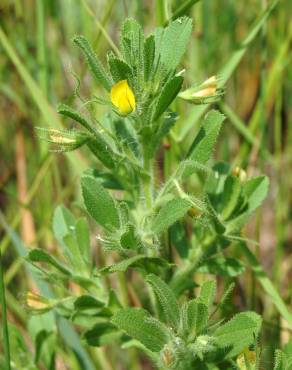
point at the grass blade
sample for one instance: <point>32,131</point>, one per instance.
<point>267,284</point>
<point>4,318</point>
<point>49,115</point>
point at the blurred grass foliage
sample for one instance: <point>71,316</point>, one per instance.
<point>38,69</point>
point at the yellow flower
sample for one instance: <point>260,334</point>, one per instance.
<point>123,97</point>
<point>240,173</point>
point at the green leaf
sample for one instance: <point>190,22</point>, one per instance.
<point>255,191</point>
<point>129,239</point>
<point>139,261</point>
<point>226,297</point>
<point>103,151</point>
<point>218,224</point>
<point>113,302</point>
<point>188,167</point>
<point>132,47</point>
<point>133,343</point>
<point>86,302</point>
<point>97,143</point>
<point>197,317</point>
<point>45,346</point>
<point>125,134</point>
<point>93,62</point>
<point>166,299</point>
<point>207,293</point>
<point>173,43</point>
<point>75,257</point>
<point>138,324</point>
<point>169,213</point>
<point>149,55</point>
<point>101,334</point>
<point>83,239</point>
<point>67,111</point>
<point>106,179</point>
<point>99,204</point>
<point>203,145</point>
<point>163,129</point>
<point>167,95</point>
<point>282,361</point>
<point>179,239</point>
<point>238,333</point>
<point>119,69</point>
<point>64,226</point>
<point>38,255</point>
<point>222,266</point>
<point>231,194</point>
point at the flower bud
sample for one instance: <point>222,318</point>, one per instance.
<point>167,356</point>
<point>123,98</point>
<point>37,303</point>
<point>62,140</point>
<point>240,173</point>
<point>194,212</point>
<point>246,359</point>
<point>205,93</point>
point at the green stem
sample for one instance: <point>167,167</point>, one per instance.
<point>148,182</point>
<point>184,273</point>
<point>162,12</point>
<point>4,318</point>
<point>100,357</point>
<point>181,275</point>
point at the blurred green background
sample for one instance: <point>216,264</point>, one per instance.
<point>39,66</point>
